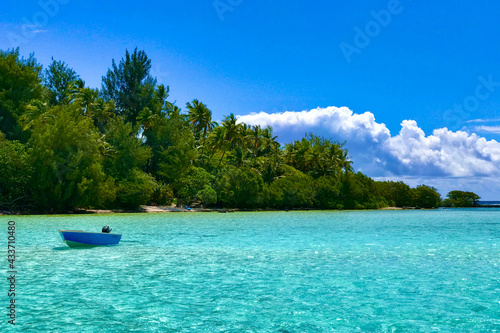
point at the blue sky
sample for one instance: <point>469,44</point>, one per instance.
<point>437,65</point>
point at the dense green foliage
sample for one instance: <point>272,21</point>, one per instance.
<point>461,199</point>
<point>58,78</point>
<point>20,85</point>
<point>15,174</point>
<point>65,146</point>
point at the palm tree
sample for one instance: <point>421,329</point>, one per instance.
<point>200,117</point>
<point>239,156</point>
<point>232,130</point>
<point>271,167</point>
<point>91,104</point>
<point>217,141</point>
<point>298,155</point>
<point>227,136</point>
<point>270,141</point>
<point>254,136</point>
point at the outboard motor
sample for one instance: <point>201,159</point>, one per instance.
<point>106,229</point>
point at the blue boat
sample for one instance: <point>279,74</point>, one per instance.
<point>79,238</point>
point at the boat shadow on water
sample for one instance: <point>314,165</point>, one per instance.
<point>67,248</point>
<point>87,247</point>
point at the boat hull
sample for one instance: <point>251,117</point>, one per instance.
<point>77,238</point>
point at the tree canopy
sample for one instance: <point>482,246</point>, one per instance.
<point>58,79</point>
<point>461,199</point>
<point>130,85</point>
<point>20,85</point>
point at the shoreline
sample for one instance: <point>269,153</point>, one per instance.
<point>172,209</point>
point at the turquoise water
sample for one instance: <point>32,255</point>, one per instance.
<point>374,271</point>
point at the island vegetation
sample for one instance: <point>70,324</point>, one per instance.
<point>65,146</point>
<point>461,199</point>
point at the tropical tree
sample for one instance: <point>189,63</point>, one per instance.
<point>16,174</point>
<point>270,167</point>
<point>130,85</point>
<point>328,192</point>
<point>171,138</point>
<point>426,197</point>
<point>239,188</point>
<point>160,108</point>
<point>124,151</point>
<point>195,185</point>
<point>207,196</point>
<point>227,136</point>
<point>91,105</point>
<point>200,117</point>
<point>461,199</point>
<point>58,78</point>
<point>233,133</point>
<point>397,194</point>
<point>66,157</point>
<point>20,85</point>
<point>270,143</point>
<point>317,156</point>
<point>294,190</point>
<point>254,137</point>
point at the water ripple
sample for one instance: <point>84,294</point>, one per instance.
<point>263,272</point>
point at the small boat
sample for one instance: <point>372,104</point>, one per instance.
<point>79,238</point>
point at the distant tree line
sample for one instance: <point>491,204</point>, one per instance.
<point>65,146</point>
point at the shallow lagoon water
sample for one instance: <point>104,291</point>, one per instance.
<point>368,271</point>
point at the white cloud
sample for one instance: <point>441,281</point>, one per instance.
<point>330,120</point>
<point>487,129</point>
<point>411,153</point>
<point>493,120</point>
<point>455,154</point>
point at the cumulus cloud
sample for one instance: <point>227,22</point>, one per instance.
<point>331,120</point>
<point>455,154</point>
<point>444,154</point>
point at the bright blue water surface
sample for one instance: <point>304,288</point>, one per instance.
<point>372,271</point>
